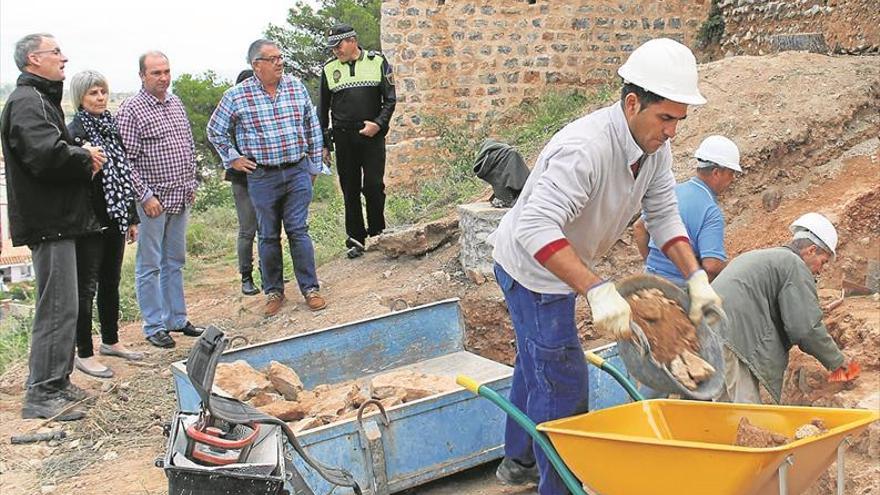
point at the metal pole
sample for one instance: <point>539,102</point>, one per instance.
<point>841,467</point>
<point>783,474</point>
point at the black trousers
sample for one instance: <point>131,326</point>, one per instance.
<point>360,161</point>
<point>98,269</point>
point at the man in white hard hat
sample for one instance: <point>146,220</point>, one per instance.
<point>771,304</point>
<point>587,183</point>
<point>717,163</point>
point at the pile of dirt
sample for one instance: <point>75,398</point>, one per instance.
<point>671,335</point>
<point>278,391</point>
<point>749,435</point>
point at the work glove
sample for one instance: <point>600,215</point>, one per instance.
<point>611,312</point>
<point>702,295</point>
<point>846,373</point>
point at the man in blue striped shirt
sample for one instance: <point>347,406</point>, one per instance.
<point>278,144</point>
<point>717,162</point>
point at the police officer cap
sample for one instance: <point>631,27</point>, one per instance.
<point>338,33</point>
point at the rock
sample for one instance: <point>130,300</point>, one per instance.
<point>47,489</point>
<point>240,380</point>
<point>415,385</point>
<point>771,199</point>
<point>306,423</point>
<point>284,410</point>
<point>697,368</point>
<point>807,430</point>
<point>285,380</point>
<point>263,398</point>
<point>749,435</point>
<point>418,239</point>
<point>110,456</point>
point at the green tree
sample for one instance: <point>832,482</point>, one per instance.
<point>302,40</point>
<point>200,95</point>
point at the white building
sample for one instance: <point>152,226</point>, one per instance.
<point>15,262</point>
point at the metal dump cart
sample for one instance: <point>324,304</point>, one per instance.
<point>423,440</point>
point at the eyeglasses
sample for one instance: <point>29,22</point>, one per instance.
<point>272,60</point>
<point>54,51</point>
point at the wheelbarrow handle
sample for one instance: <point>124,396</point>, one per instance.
<point>607,367</point>
<point>529,426</point>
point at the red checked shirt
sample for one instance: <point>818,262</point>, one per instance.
<point>159,143</point>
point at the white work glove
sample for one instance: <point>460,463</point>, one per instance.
<point>610,310</point>
<point>702,295</point>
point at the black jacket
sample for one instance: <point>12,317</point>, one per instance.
<point>99,202</point>
<point>47,176</point>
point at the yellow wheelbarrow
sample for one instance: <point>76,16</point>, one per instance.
<point>666,447</point>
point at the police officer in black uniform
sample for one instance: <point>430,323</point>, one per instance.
<point>357,91</point>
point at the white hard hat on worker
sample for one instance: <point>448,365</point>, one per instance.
<point>720,151</point>
<point>660,81</point>
<point>815,226</point>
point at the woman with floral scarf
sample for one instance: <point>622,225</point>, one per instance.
<point>99,257</point>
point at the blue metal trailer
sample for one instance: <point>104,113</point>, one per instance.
<point>423,440</point>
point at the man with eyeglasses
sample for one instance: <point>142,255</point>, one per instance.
<point>277,142</point>
<point>357,94</point>
<point>159,144</point>
<point>48,179</point>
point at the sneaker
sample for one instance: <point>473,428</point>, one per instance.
<point>354,252</point>
<point>51,408</point>
<point>189,330</point>
<point>161,339</point>
<point>274,301</point>
<point>73,393</point>
<point>119,350</point>
<point>315,301</point>
<point>511,472</point>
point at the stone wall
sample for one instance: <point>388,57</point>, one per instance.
<point>848,26</point>
<point>472,60</point>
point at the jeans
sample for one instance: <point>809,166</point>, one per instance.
<point>247,226</point>
<point>98,267</point>
<point>281,195</point>
<point>159,270</point>
<point>549,374</point>
<point>54,332</point>
<point>360,162</point>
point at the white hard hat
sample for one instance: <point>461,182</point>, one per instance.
<point>820,227</point>
<point>664,67</point>
<point>720,151</point>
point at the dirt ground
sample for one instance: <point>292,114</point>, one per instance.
<point>807,126</point>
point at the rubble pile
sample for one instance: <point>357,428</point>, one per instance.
<point>672,336</point>
<point>749,435</point>
<point>278,391</point>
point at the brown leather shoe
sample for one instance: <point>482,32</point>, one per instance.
<point>315,301</point>
<point>274,301</point>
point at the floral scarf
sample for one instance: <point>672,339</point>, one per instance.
<point>118,192</point>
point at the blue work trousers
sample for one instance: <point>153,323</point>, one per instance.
<point>550,372</point>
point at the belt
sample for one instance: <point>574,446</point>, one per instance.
<point>282,165</point>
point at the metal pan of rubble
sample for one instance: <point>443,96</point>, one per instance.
<point>640,362</point>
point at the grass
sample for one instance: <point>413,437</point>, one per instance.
<point>213,227</point>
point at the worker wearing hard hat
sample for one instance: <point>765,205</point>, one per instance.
<point>717,162</point>
<point>587,183</point>
<point>771,304</point>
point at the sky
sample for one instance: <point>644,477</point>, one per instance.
<point>110,35</point>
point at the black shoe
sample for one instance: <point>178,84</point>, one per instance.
<point>73,393</point>
<point>161,339</point>
<point>354,252</point>
<point>48,408</point>
<point>189,330</point>
<point>351,242</point>
<point>511,472</point>
<point>247,285</point>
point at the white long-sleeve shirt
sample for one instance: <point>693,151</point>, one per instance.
<point>582,189</point>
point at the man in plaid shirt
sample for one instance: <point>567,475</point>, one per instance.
<point>278,144</point>
<point>159,143</point>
